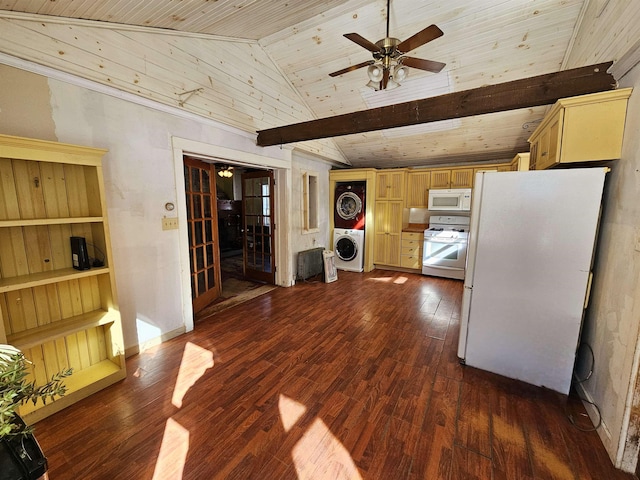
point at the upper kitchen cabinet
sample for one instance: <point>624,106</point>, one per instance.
<point>390,184</point>
<point>452,178</point>
<point>59,316</point>
<point>418,184</point>
<point>580,129</point>
<point>462,178</point>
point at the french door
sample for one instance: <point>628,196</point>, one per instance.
<point>258,208</point>
<point>202,220</point>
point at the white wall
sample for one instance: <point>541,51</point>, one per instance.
<point>610,31</point>
<point>140,177</point>
<point>299,239</point>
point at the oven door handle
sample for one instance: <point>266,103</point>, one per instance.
<point>448,242</point>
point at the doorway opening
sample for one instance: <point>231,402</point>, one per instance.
<point>241,220</point>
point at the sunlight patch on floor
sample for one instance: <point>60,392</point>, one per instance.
<point>290,411</point>
<point>195,362</point>
<point>318,454</point>
<point>173,451</point>
<point>381,279</point>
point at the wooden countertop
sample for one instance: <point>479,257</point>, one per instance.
<point>415,227</point>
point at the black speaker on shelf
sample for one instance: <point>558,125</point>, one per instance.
<point>79,255</point>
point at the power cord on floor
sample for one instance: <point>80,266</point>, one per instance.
<point>578,381</point>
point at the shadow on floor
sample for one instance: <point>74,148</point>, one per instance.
<point>236,288</point>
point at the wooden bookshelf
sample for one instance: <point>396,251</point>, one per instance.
<point>58,316</point>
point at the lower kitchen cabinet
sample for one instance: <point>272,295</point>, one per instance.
<point>411,250</point>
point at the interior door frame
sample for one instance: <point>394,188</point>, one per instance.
<point>281,165</point>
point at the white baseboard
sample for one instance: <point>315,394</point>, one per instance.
<point>136,349</point>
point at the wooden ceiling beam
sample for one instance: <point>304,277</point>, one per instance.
<point>524,93</point>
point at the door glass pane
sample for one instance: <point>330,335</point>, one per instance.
<point>197,206</point>
<point>248,188</point>
<point>208,232</point>
<point>202,286</point>
<point>206,186</point>
<point>207,207</point>
<point>188,198</point>
<point>197,227</point>
<point>195,175</point>
<point>209,255</point>
<point>200,258</point>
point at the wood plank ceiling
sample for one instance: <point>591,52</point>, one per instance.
<point>484,42</point>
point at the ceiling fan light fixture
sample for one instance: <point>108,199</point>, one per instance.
<point>375,72</point>
<point>391,84</point>
<point>400,73</point>
<point>373,85</point>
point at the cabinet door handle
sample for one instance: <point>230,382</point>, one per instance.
<point>543,154</point>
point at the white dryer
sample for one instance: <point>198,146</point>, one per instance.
<point>348,246</point>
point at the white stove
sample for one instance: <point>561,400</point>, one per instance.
<point>445,246</point>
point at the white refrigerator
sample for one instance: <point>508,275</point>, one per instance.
<point>528,274</point>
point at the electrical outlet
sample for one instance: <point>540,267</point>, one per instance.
<point>170,223</point>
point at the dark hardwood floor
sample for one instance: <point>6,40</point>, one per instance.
<point>354,379</point>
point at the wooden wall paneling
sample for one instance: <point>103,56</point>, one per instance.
<point>53,300</point>
<point>36,357</point>
<point>60,246</point>
<point>66,299</point>
<point>29,193</point>
<point>95,196</point>
<point>73,352</point>
<point>93,346</point>
<point>8,206</point>
<point>107,300</point>
<point>5,325</point>
<point>24,310</point>
<point>83,350</point>
<point>238,90</point>
<point>42,304</point>
<point>38,248</point>
<point>76,191</point>
<point>50,358</point>
<point>13,257</point>
<point>76,297</point>
<point>54,190</point>
<point>170,68</point>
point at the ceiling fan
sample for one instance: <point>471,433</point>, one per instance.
<point>389,65</point>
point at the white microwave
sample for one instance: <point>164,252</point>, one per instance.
<point>451,200</point>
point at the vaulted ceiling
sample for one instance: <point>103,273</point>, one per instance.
<point>484,42</point>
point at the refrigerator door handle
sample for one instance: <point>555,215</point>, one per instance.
<point>588,294</point>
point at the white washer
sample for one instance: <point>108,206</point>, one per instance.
<point>348,246</point>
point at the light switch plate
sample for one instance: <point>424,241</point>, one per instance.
<point>170,223</point>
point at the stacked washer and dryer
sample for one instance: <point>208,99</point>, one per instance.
<point>349,219</point>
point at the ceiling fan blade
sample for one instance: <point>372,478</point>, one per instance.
<point>352,68</point>
<point>424,36</point>
<point>385,79</point>
<point>363,42</point>
<point>428,65</point>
